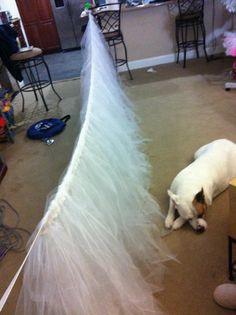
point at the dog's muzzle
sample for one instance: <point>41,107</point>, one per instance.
<point>201,225</point>
<point>200,229</point>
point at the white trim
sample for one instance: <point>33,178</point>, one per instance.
<point>170,58</point>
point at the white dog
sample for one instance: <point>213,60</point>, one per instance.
<point>194,188</point>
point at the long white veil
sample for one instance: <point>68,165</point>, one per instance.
<point>98,246</point>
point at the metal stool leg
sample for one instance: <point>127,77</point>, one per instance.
<point>185,38</point>
<point>30,76</point>
<point>204,40</point>
<point>35,83</point>
<point>22,96</point>
<point>23,101</point>
<point>115,54</point>
<point>195,36</point>
<point>39,86</point>
<point>113,43</point>
<point>50,79</point>
<point>112,52</point>
<point>177,30</point>
<point>126,59</point>
<point>43,99</point>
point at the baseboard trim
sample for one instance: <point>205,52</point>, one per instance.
<point>170,58</point>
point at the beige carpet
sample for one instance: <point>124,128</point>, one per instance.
<point>180,110</point>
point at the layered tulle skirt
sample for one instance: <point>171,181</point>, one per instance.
<point>98,249</point>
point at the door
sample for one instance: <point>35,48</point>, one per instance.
<point>39,24</point>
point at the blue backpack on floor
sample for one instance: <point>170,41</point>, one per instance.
<point>47,128</point>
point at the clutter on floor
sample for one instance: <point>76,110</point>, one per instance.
<point>47,128</point>
<point>12,237</point>
<point>7,120</point>
<point>230,50</point>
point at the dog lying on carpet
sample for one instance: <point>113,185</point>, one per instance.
<point>194,188</point>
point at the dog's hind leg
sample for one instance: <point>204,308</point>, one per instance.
<point>171,215</point>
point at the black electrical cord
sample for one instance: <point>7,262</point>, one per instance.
<point>12,238</point>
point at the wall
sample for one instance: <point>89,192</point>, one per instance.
<point>10,5</point>
<point>149,32</point>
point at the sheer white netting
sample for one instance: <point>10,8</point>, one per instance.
<point>230,5</point>
<point>229,43</point>
<point>101,226</point>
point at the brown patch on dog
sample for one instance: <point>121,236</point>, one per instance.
<point>199,203</point>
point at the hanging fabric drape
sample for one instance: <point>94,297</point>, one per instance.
<point>229,43</point>
<point>98,248</point>
<point>230,5</point>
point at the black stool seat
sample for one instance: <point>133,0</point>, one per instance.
<point>190,28</point>
<point>32,64</point>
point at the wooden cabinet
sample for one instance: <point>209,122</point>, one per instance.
<point>39,24</point>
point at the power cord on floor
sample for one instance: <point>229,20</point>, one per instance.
<point>12,238</point>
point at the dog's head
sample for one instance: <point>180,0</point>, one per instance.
<point>192,210</point>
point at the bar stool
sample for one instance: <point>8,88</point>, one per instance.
<point>188,24</point>
<point>31,64</point>
<point>108,19</point>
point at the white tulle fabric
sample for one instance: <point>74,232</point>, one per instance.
<point>230,5</point>
<point>229,43</point>
<point>98,247</point>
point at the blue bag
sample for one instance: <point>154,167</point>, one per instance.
<point>47,128</point>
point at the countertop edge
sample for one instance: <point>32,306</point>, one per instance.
<point>145,6</point>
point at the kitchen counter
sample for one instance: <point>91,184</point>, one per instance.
<point>148,5</point>
<point>149,30</point>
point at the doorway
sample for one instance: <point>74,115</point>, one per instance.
<point>53,25</point>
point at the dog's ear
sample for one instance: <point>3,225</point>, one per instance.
<point>174,197</point>
<point>199,203</point>
<point>200,197</point>
<point>207,197</point>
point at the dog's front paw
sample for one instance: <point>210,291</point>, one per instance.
<point>178,223</point>
<point>169,222</point>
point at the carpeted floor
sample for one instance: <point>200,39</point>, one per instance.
<point>62,65</point>
<point>182,110</point>
<point>179,110</point>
